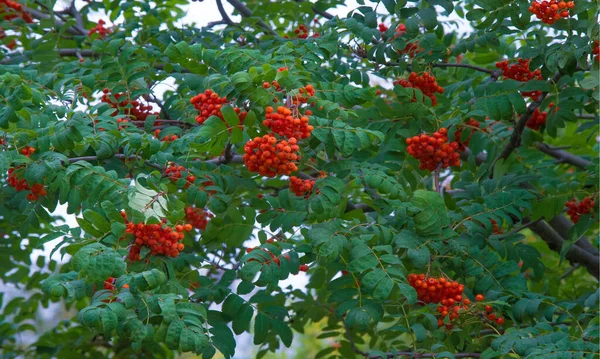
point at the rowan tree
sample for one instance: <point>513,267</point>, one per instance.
<point>436,188</point>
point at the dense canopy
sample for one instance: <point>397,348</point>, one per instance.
<point>378,179</point>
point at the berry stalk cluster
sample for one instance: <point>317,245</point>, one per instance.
<point>577,209</point>
<point>551,11</point>
<point>521,72</point>
<point>425,82</point>
<point>209,104</point>
<point>162,240</point>
<point>434,151</point>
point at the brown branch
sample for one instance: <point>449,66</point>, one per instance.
<point>317,11</point>
<point>495,73</point>
<point>563,156</point>
<point>515,138</point>
<point>245,12</point>
<point>118,155</point>
<point>36,14</point>
<point>223,13</point>
<point>562,226</point>
<point>575,254</point>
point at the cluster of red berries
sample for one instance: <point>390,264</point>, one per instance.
<point>270,157</point>
<point>301,187</point>
<point>441,291</point>
<point>275,84</point>
<point>174,173</point>
<point>100,29</point>
<point>165,138</point>
<point>302,33</point>
<point>596,50</point>
<point>495,227</point>
<point>12,44</point>
<point>521,72</point>
<point>304,94</point>
<point>284,124</point>
<point>209,104</point>
<point>9,10</point>
<point>577,209</point>
<point>161,240</point>
<point>411,48</point>
<point>473,125</point>
<point>20,184</point>
<point>434,151</point>
<point>425,82</point>
<point>197,217</point>
<point>138,111</point>
<point>27,151</point>
<point>550,11</point>
<point>538,118</point>
<point>492,317</point>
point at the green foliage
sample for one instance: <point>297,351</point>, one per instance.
<point>495,224</point>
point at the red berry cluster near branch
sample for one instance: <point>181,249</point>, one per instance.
<point>550,11</point>
<point>174,173</point>
<point>425,82</point>
<point>10,10</point>
<point>27,151</point>
<point>538,118</point>
<point>411,48</point>
<point>197,217</point>
<point>162,240</point>
<point>495,227</point>
<point>596,50</point>
<point>269,156</point>
<point>491,316</point>
<point>285,124</point>
<point>209,104</point>
<point>441,291</point>
<point>301,187</point>
<point>472,125</point>
<point>100,29</point>
<point>20,184</point>
<point>302,32</point>
<point>521,72</point>
<point>576,209</point>
<point>434,151</point>
<point>274,258</point>
<point>304,93</point>
<point>135,109</point>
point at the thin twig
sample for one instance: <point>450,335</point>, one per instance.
<point>570,271</point>
<point>248,13</point>
<point>223,13</point>
<point>515,138</point>
<point>563,156</point>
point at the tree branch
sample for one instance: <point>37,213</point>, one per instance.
<point>562,226</point>
<point>74,30</point>
<point>575,254</point>
<point>317,11</point>
<point>223,13</point>
<point>495,73</point>
<point>245,12</point>
<point>563,156</point>
<point>515,138</point>
<point>118,155</point>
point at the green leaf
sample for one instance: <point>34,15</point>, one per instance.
<point>262,324</point>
